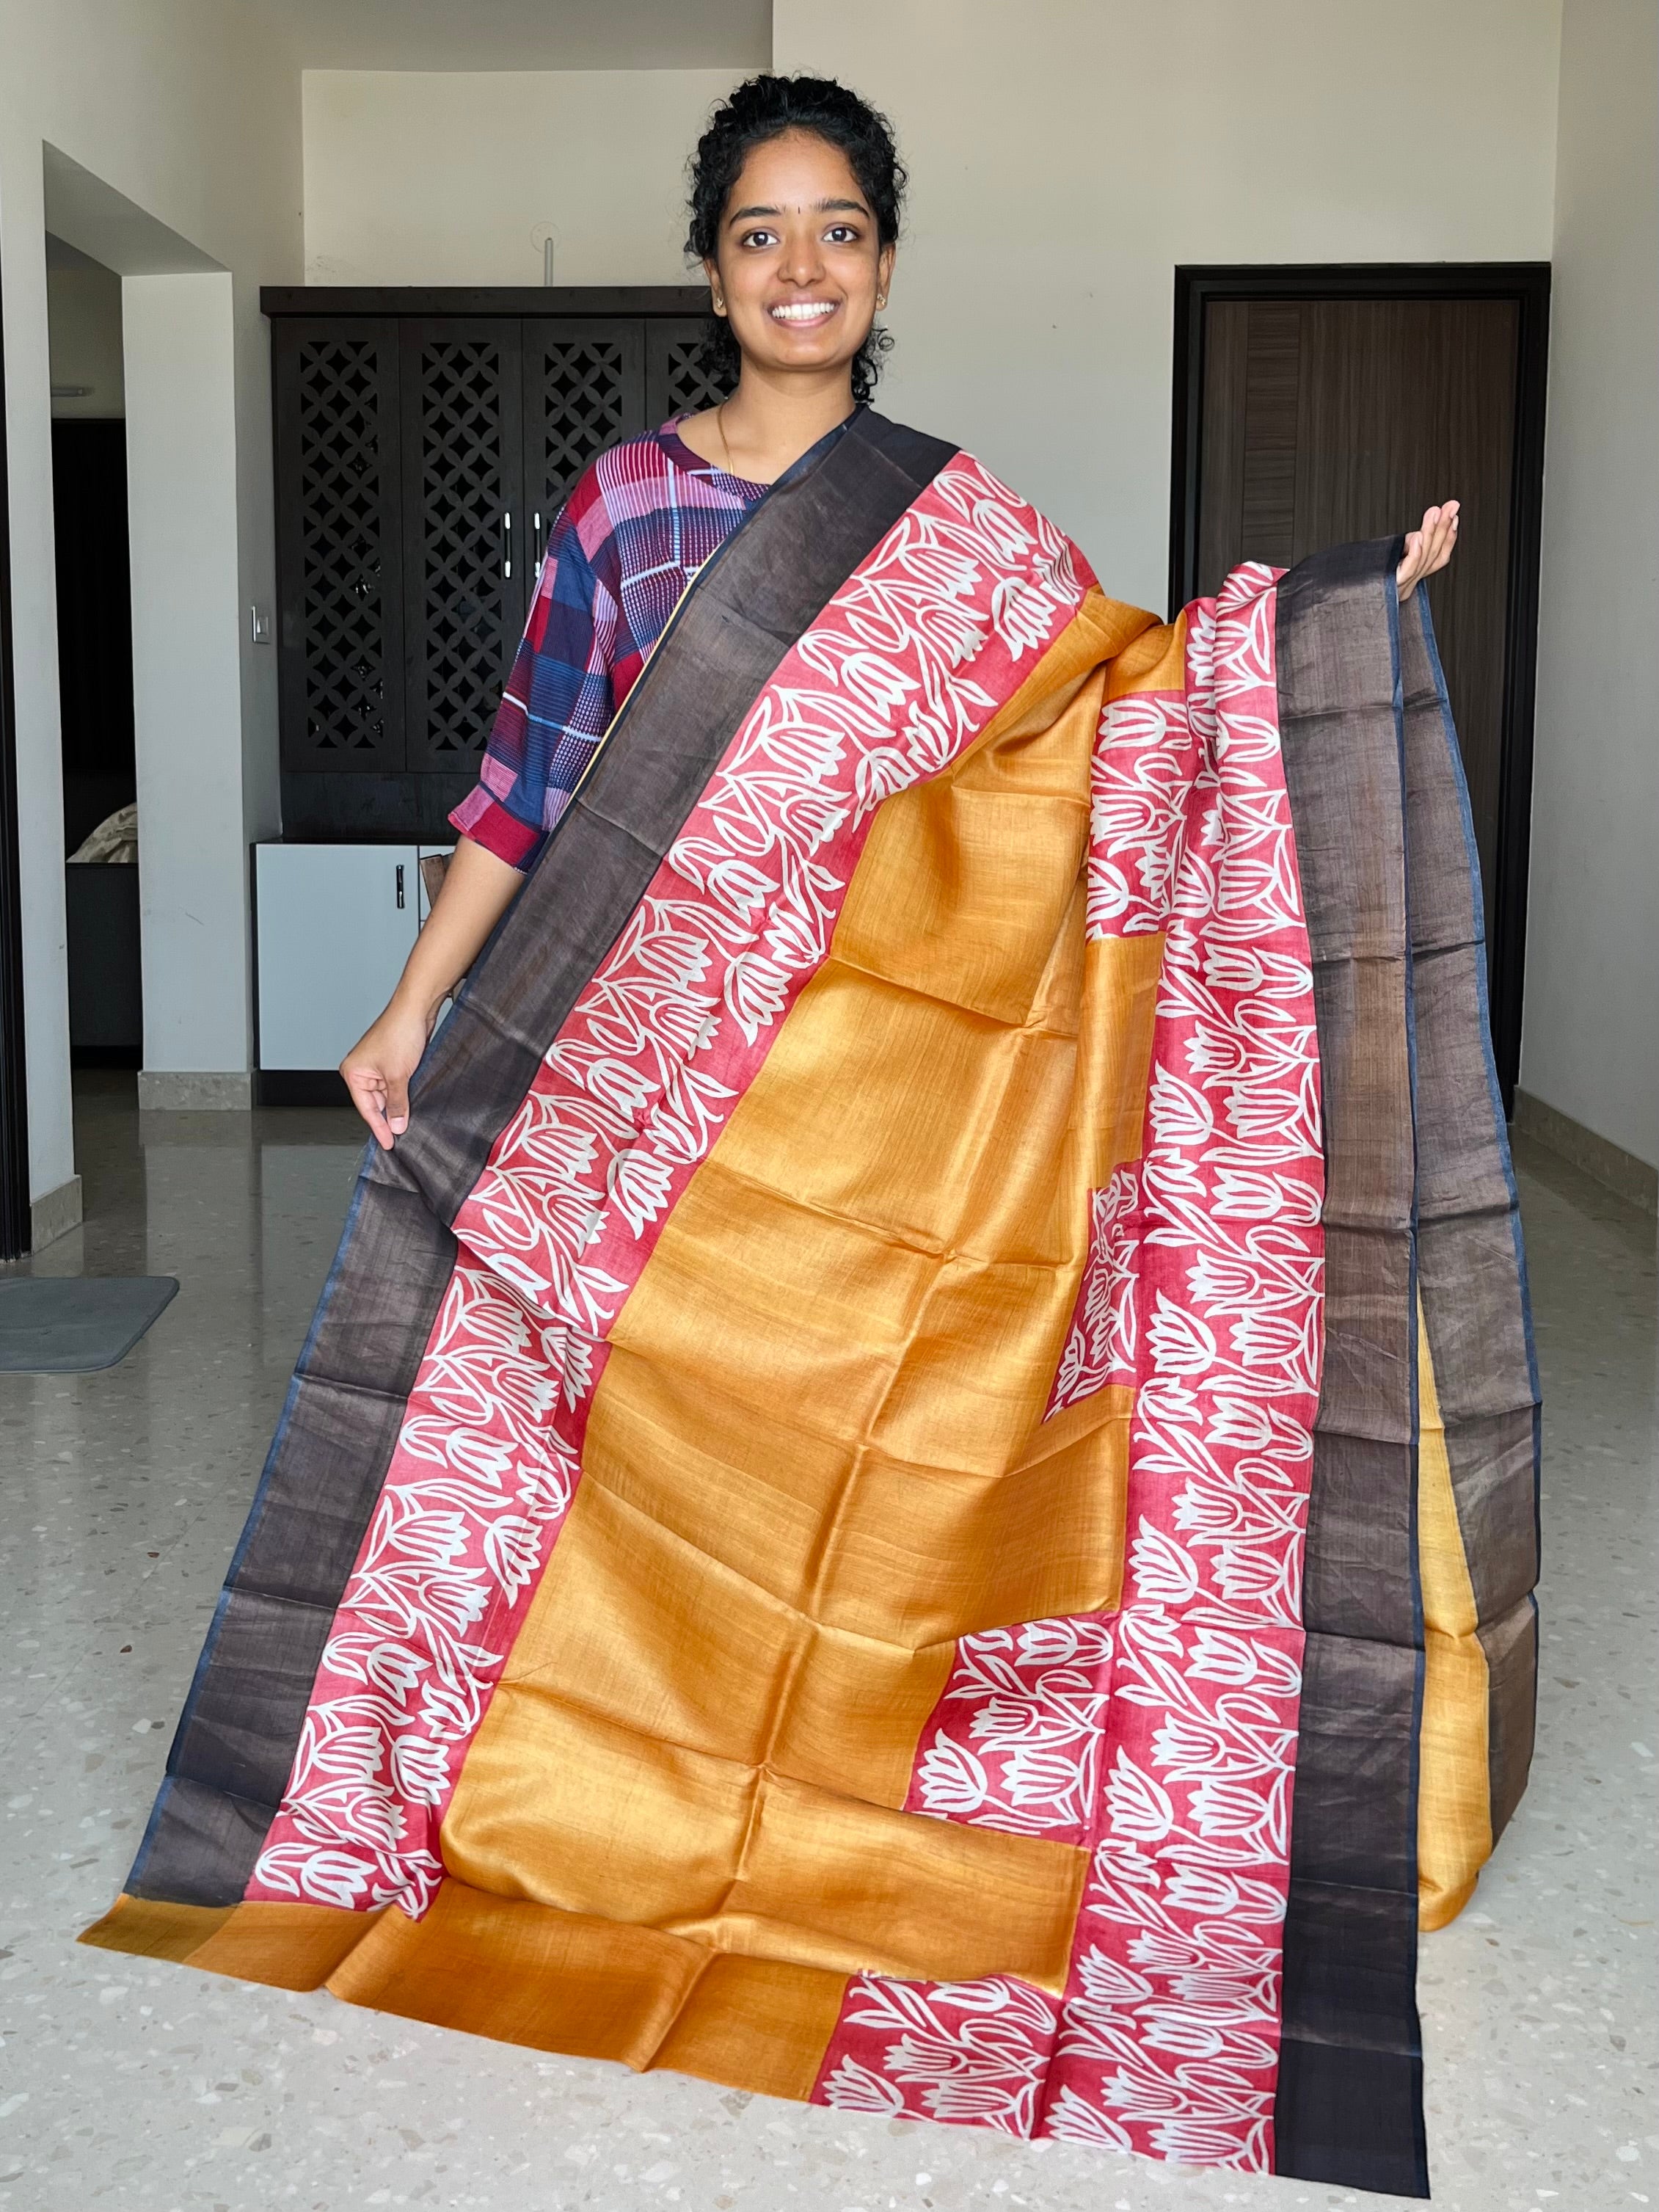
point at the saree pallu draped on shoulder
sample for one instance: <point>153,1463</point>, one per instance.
<point>916,1487</point>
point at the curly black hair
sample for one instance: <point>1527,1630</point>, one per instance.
<point>765,107</point>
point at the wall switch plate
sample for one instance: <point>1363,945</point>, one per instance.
<point>259,625</point>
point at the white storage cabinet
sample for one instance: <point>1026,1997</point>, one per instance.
<point>335,924</point>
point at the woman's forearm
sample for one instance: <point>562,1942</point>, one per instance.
<point>477,890</point>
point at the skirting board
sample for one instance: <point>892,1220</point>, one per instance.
<point>55,1214</point>
<point>1609,1164</point>
<point>194,1090</point>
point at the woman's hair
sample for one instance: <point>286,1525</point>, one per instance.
<point>765,107</point>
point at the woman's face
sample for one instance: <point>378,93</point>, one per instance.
<point>799,267</point>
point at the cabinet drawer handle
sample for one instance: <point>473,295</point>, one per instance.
<point>507,543</point>
<point>400,886</point>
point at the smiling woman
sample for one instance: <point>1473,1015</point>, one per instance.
<point>795,206</point>
<point>914,1484</point>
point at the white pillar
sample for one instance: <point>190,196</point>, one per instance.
<point>1590,1043</point>
<point>179,335</point>
<point>54,1188</point>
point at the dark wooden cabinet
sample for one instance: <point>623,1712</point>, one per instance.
<point>339,546</point>
<point>424,443</point>
<point>463,504</point>
<point>675,382</point>
<point>584,388</point>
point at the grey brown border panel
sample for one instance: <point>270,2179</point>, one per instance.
<point>235,1741</point>
<point>1349,2102</point>
<point>1471,1268</point>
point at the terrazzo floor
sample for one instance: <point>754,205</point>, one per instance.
<point>124,2083</point>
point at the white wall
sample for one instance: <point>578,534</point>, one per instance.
<point>187,110</point>
<point>186,678</point>
<point>1065,157</point>
<point>415,178</point>
<point>1590,1045</point>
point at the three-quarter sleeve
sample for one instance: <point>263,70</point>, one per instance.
<point>557,705</point>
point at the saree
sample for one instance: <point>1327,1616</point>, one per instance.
<point>916,1485</point>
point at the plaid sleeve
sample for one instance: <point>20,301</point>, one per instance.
<point>557,704</point>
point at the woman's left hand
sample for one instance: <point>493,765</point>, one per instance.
<point>1428,548</point>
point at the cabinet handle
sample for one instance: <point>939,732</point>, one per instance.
<point>541,541</point>
<point>507,543</point>
<point>400,886</point>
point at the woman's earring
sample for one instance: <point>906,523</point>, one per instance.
<point>719,306</point>
<point>881,299</point>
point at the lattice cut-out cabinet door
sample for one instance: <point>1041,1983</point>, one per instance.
<point>584,388</point>
<point>676,382</point>
<point>339,550</point>
<point>467,547</point>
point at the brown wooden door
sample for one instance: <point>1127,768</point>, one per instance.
<point>1321,419</point>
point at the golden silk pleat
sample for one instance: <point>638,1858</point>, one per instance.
<point>152,1928</point>
<point>818,1455</point>
<point>557,1981</point>
<point>1454,1817</point>
<point>290,1946</point>
<point>596,1988</point>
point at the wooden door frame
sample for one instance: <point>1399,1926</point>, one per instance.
<point>1528,284</point>
<point>16,1229</point>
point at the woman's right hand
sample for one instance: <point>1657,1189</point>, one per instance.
<point>479,887</point>
<point>378,1068</point>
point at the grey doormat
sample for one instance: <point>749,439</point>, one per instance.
<point>71,1324</point>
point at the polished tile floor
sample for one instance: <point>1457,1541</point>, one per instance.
<point>129,2084</point>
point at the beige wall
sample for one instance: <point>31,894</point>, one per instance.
<point>1591,1046</point>
<point>187,119</point>
<point>415,178</point>
<point>1066,157</point>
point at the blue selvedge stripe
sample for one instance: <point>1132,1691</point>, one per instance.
<point>1419,1657</point>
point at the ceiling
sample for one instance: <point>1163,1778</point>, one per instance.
<point>522,34</point>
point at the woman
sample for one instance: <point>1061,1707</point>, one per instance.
<point>795,210</point>
<point>964,1154</point>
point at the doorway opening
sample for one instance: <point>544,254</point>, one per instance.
<point>95,658</point>
<point>1314,406</point>
<point>16,1232</point>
